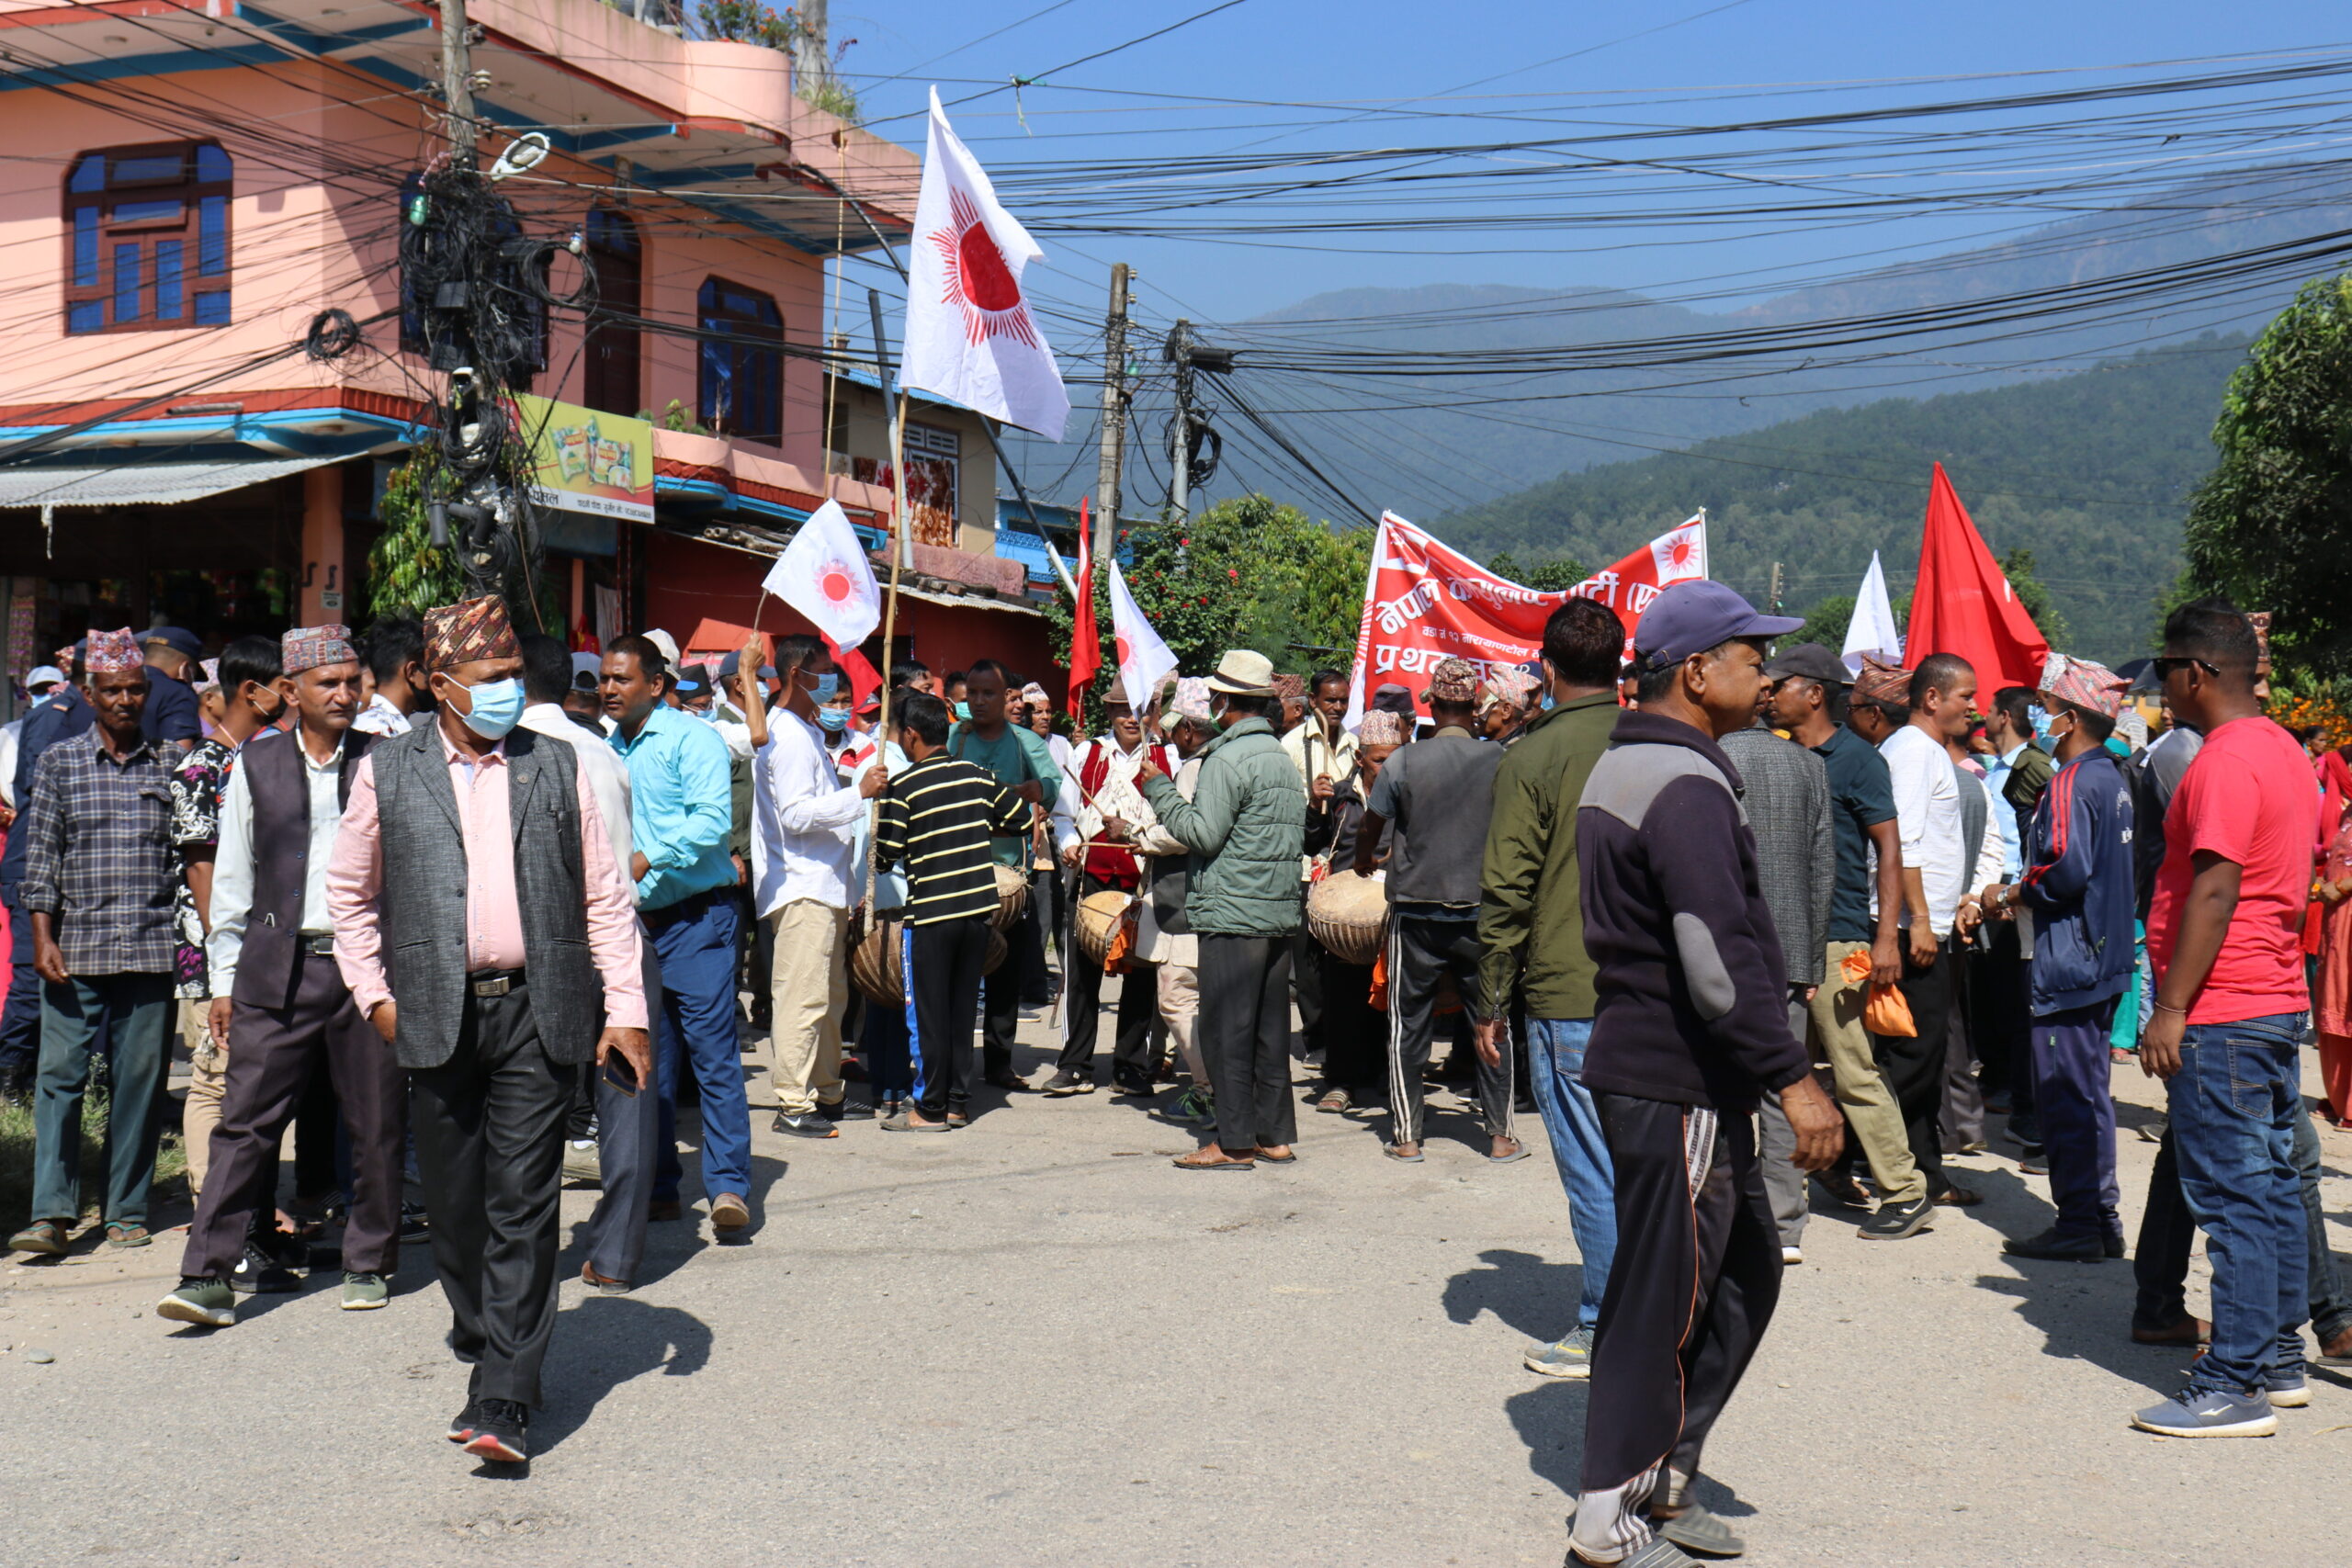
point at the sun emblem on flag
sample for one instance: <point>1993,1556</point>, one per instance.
<point>1680,555</point>
<point>835,581</point>
<point>977,280</point>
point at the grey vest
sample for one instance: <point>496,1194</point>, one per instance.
<point>269,963</point>
<point>423,901</point>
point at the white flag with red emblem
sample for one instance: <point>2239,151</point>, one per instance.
<point>1144,659</point>
<point>970,336</point>
<point>824,575</point>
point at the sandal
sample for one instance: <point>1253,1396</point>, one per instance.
<point>1291,1158</point>
<point>1335,1103</point>
<point>1699,1528</point>
<point>1222,1161</point>
<point>1518,1151</point>
<point>1958,1197</point>
<point>1413,1158</point>
<point>120,1235</point>
<point>44,1238</point>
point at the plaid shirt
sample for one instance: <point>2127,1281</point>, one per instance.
<point>99,862</point>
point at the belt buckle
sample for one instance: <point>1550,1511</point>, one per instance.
<point>497,987</point>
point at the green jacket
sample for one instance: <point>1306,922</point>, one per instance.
<point>1246,826</point>
<point>1531,908</point>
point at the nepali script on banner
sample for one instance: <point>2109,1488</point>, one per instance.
<point>583,460</point>
<point>1424,603</point>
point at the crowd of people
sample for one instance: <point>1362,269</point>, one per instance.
<point>1743,927</point>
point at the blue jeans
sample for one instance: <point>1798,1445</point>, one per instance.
<point>693,942</point>
<point>135,1007</point>
<point>1555,1065</point>
<point>2233,1107</point>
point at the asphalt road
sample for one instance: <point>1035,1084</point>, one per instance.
<point>1035,1342</point>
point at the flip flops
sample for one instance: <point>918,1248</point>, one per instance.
<point>1699,1528</point>
<point>1390,1150</point>
<point>1193,1162</point>
<point>1518,1154</point>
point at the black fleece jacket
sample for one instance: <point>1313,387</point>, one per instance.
<point>1692,995</point>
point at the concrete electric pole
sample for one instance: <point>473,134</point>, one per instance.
<point>456,83</point>
<point>1114,416</point>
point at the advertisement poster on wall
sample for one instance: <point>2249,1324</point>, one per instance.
<point>583,460</point>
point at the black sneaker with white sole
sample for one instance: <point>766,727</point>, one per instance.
<point>257,1274</point>
<point>1894,1221</point>
<point>502,1428</point>
<point>1068,1082</point>
<point>803,1124</point>
<point>462,1425</point>
<point>846,1110</point>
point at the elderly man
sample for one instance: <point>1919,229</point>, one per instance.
<point>59,716</point>
<point>281,1010</point>
<point>1111,815</point>
<point>1164,936</point>
<point>476,853</point>
<point>98,887</point>
<point>1246,827</point>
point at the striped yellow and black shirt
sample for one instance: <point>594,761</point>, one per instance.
<point>938,817</point>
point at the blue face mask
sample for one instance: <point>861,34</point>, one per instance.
<point>497,709</point>
<point>827,685</point>
<point>964,712</point>
<point>833,721</point>
<point>2041,717</point>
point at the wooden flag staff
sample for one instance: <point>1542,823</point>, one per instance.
<point>893,543</point>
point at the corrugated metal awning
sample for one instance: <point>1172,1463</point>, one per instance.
<point>143,484</point>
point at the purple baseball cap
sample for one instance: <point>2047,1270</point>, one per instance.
<point>1691,617</point>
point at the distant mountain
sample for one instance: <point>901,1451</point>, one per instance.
<point>1472,438</point>
<point>2091,471</point>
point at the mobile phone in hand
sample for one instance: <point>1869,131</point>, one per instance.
<point>621,1074</point>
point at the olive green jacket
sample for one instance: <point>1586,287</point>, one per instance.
<point>1531,911</point>
<point>1246,826</point>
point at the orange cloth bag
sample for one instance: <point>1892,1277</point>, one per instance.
<point>1884,1009</point>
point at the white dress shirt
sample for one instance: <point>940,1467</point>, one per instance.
<point>804,821</point>
<point>607,775</point>
<point>232,864</point>
<point>1927,815</point>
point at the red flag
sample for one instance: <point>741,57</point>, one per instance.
<point>858,670</point>
<point>1962,605</point>
<point>1085,653</point>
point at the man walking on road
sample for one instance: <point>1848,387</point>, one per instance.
<point>1692,1031</point>
<point>1246,826</point>
<point>476,854</point>
<point>680,817</point>
<point>1437,794</point>
<point>98,888</point>
<point>281,1011</point>
<point>1020,759</point>
<point>2231,1006</point>
<point>1531,926</point>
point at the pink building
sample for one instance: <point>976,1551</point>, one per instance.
<point>192,181</point>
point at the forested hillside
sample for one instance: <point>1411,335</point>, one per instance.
<point>2091,471</point>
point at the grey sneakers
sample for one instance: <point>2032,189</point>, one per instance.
<point>2209,1413</point>
<point>208,1303</point>
<point>1571,1358</point>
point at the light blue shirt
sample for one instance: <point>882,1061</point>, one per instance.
<point>1998,769</point>
<point>681,807</point>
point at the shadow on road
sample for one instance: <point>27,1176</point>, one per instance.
<point>605,1341</point>
<point>1536,1298</point>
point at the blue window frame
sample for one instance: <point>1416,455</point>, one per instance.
<point>741,385</point>
<point>135,220</point>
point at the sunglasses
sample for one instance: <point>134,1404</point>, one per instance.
<point>2165,666</point>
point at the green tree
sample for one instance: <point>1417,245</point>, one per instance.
<point>2271,526</point>
<point>407,575</point>
<point>1545,577</point>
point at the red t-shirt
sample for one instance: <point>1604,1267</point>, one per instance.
<point>2248,796</point>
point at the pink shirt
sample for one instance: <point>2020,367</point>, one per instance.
<point>494,917</point>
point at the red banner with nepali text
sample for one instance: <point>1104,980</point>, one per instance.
<point>1424,603</point>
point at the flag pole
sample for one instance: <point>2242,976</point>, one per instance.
<point>892,541</point>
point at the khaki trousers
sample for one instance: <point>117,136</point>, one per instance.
<point>1179,1009</point>
<point>808,989</point>
<point>1861,1087</point>
<point>207,1078</point>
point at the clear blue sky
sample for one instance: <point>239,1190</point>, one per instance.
<point>1383,50</point>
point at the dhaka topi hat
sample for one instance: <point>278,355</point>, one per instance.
<point>1509,684</point>
<point>1288,687</point>
<point>467,631</point>
<point>2083,684</point>
<point>1193,699</point>
<point>1393,698</point>
<point>1882,682</point>
<point>1034,694</point>
<point>312,647</point>
<point>1381,727</point>
<point>112,653</point>
<point>210,681</point>
<point>1453,681</point>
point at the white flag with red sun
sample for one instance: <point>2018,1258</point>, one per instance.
<point>970,336</point>
<point>1144,659</point>
<point>823,574</point>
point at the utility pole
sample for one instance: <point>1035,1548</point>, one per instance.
<point>812,60</point>
<point>456,85</point>
<point>1114,416</point>
<point>1180,491</point>
<point>1773,597</point>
